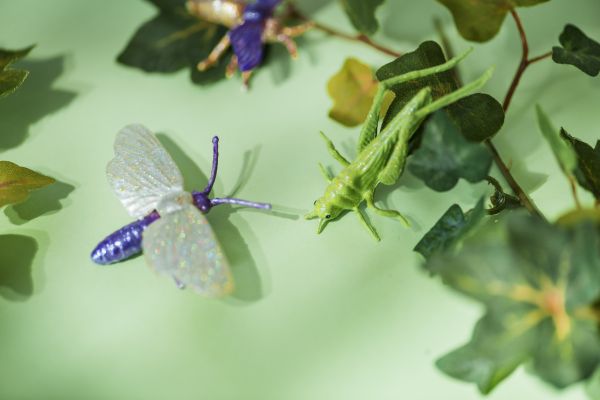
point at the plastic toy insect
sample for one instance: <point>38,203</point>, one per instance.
<point>171,229</point>
<point>382,155</point>
<point>251,26</point>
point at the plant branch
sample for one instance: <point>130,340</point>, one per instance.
<point>523,65</point>
<point>333,32</point>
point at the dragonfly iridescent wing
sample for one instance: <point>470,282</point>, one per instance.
<point>142,172</point>
<point>182,245</point>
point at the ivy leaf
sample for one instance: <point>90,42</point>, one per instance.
<point>362,14</point>
<point>540,284</point>
<point>478,116</point>
<point>174,40</point>
<point>352,89</point>
<point>445,156</point>
<point>588,163</point>
<point>480,20</point>
<point>564,154</point>
<point>16,182</point>
<point>11,78</point>
<point>450,229</point>
<point>578,50</point>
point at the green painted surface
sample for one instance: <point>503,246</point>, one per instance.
<point>336,316</point>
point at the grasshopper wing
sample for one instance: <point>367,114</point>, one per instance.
<point>142,172</point>
<point>182,245</point>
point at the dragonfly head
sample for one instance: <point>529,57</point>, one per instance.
<point>201,201</point>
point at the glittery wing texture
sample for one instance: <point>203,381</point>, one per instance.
<point>142,172</point>
<point>246,40</point>
<point>182,245</point>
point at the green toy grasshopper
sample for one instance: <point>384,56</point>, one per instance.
<point>382,156</point>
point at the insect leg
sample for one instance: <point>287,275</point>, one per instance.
<point>246,78</point>
<point>179,284</point>
<point>367,224</point>
<point>214,55</point>
<point>231,67</point>
<point>333,151</point>
<point>215,166</point>
<point>385,213</point>
<point>297,30</point>
<point>325,172</point>
<point>289,44</point>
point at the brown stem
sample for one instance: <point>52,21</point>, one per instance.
<point>523,65</point>
<point>356,38</point>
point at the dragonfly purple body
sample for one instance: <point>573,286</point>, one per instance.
<point>127,241</point>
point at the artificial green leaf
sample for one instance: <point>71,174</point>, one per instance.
<point>450,229</point>
<point>352,89</point>
<point>540,284</point>
<point>445,156</point>
<point>564,154</point>
<point>592,387</point>
<point>480,20</point>
<point>11,78</point>
<point>16,182</point>
<point>478,116</point>
<point>578,50</point>
<point>362,14</point>
<point>588,163</point>
<point>174,40</point>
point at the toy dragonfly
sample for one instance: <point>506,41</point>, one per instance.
<point>251,26</point>
<point>171,229</point>
<point>382,155</point>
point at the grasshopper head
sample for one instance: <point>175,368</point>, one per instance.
<point>325,211</point>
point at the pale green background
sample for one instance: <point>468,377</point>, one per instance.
<point>335,316</point>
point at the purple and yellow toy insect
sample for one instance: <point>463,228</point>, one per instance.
<point>171,229</point>
<point>251,26</point>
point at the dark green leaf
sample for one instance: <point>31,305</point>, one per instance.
<point>588,164</point>
<point>174,40</point>
<point>450,229</point>
<point>445,156</point>
<point>362,14</point>
<point>578,50</point>
<point>478,116</point>
<point>11,78</point>
<point>540,284</point>
<point>480,20</point>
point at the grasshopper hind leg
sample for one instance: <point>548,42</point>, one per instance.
<point>385,213</point>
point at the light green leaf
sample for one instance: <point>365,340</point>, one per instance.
<point>352,89</point>
<point>480,20</point>
<point>11,78</point>
<point>563,152</point>
<point>578,50</point>
<point>362,14</point>
<point>540,284</point>
<point>445,156</point>
<point>16,182</point>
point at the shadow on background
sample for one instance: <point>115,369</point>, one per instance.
<point>47,200</point>
<point>16,266</point>
<point>245,272</point>
<point>32,101</point>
